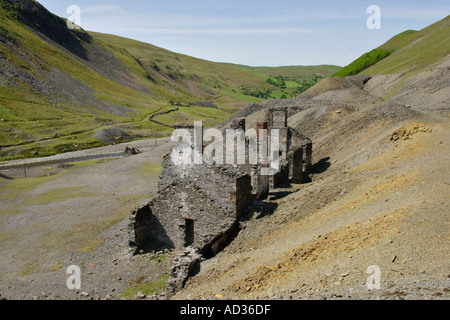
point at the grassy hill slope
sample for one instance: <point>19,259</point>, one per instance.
<point>60,86</point>
<point>409,51</point>
<point>414,51</point>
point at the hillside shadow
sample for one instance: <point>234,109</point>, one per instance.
<point>54,28</point>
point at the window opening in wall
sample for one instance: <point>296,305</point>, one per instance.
<point>188,231</point>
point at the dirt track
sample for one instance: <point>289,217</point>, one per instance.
<point>109,151</point>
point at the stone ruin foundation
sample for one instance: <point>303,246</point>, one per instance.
<point>199,207</point>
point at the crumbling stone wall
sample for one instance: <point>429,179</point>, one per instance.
<point>259,182</point>
<point>308,157</point>
<point>238,123</point>
<point>224,184</point>
<point>295,160</point>
<point>198,204</point>
<point>146,231</point>
<point>203,201</point>
<point>277,119</point>
<point>185,266</point>
<point>295,149</point>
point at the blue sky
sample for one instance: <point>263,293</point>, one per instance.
<point>256,33</point>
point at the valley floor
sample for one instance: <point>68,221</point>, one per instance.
<point>78,214</point>
<point>312,241</point>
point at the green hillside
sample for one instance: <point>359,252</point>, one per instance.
<point>230,84</point>
<point>291,81</point>
<point>58,87</point>
<point>182,78</point>
<point>410,51</point>
<point>364,62</point>
<point>413,51</point>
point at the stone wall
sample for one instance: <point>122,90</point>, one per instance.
<point>148,233</point>
<point>295,160</point>
<point>195,204</point>
<point>198,205</point>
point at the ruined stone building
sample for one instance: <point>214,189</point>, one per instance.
<point>200,205</point>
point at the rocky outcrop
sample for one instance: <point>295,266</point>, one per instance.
<point>110,135</point>
<point>131,151</point>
